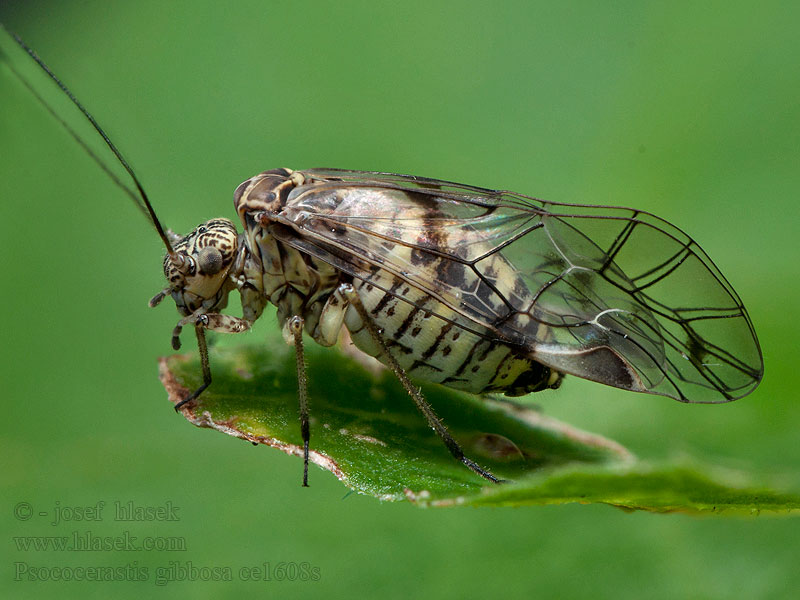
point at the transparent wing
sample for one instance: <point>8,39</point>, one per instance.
<point>610,294</point>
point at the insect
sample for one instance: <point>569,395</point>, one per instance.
<point>480,290</point>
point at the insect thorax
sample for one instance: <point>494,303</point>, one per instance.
<point>425,336</point>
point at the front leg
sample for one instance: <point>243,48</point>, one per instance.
<point>212,321</point>
<point>203,348</point>
<point>215,322</point>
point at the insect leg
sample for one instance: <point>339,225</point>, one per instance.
<point>436,424</point>
<point>212,321</point>
<point>200,332</point>
<point>215,322</point>
<point>330,320</point>
<point>295,328</point>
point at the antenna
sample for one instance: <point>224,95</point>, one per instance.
<point>144,202</point>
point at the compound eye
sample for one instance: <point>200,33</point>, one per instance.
<point>209,261</point>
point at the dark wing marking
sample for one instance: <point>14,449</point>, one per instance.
<point>611,294</point>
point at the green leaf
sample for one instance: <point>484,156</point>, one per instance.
<point>367,432</point>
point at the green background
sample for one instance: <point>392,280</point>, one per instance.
<point>688,110</point>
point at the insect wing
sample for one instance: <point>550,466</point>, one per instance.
<point>610,294</point>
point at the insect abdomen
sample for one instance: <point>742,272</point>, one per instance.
<point>431,348</point>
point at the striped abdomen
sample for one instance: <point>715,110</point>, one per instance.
<point>431,348</point>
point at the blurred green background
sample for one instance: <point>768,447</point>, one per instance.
<point>688,110</point>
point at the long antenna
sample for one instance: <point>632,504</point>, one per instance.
<point>147,206</point>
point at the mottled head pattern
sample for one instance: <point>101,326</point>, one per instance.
<point>208,252</point>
